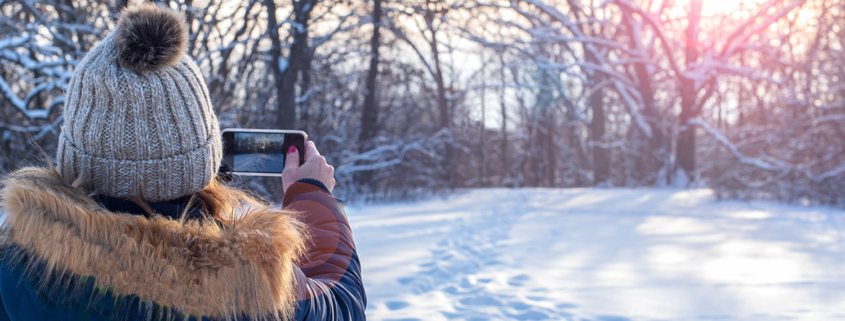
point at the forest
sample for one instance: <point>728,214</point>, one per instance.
<point>418,97</point>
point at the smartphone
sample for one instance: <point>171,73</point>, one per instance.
<point>259,152</point>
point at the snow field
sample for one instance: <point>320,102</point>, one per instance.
<point>600,254</point>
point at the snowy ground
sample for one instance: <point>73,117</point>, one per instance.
<point>600,254</point>
<point>271,163</point>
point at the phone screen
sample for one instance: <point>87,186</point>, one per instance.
<point>259,152</point>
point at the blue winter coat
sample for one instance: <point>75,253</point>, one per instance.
<point>71,256</point>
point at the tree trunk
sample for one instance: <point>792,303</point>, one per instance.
<point>445,115</point>
<point>482,166</point>
<point>503,156</point>
<point>550,158</point>
<point>189,16</point>
<point>303,102</point>
<point>442,102</point>
<point>370,111</point>
<point>649,152</point>
<point>287,72</point>
<point>686,138</point>
<point>276,65</point>
<point>505,159</point>
<point>654,155</point>
<point>601,155</point>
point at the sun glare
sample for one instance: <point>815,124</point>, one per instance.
<point>716,7</point>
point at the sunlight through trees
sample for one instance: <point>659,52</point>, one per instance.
<point>410,97</point>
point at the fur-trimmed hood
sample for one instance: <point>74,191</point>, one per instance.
<point>243,268</point>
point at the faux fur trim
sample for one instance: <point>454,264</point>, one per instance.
<point>196,268</point>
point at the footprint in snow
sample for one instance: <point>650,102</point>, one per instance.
<point>519,280</point>
<point>396,305</point>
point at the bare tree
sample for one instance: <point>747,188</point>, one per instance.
<point>619,92</point>
<point>369,113</point>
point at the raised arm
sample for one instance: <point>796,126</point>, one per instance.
<point>329,284</point>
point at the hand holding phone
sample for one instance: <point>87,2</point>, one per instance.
<point>315,167</point>
<point>259,152</point>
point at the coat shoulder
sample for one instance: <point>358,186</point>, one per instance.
<point>62,243</point>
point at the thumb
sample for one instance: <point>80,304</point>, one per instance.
<point>292,159</point>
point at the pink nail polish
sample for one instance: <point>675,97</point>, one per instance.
<point>291,149</point>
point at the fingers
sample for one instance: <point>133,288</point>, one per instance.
<point>292,160</point>
<point>311,150</point>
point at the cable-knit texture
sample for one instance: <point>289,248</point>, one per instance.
<point>149,133</point>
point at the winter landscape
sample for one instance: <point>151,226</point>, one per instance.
<point>612,160</point>
<point>600,254</point>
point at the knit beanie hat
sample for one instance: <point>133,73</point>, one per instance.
<point>137,119</point>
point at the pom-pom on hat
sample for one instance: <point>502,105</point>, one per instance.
<point>149,38</point>
<point>137,119</point>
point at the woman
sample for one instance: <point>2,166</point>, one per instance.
<point>132,225</point>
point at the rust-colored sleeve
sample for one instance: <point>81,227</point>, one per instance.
<point>329,284</point>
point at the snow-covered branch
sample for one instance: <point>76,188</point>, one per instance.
<point>756,162</point>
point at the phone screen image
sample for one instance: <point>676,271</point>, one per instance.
<point>259,152</point>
